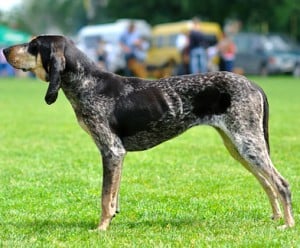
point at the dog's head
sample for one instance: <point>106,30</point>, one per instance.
<point>45,57</point>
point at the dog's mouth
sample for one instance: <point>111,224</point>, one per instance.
<point>18,64</point>
<point>26,69</point>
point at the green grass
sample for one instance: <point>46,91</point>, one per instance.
<point>187,192</point>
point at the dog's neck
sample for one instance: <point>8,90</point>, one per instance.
<point>83,78</point>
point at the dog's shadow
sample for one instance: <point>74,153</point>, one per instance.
<point>163,223</point>
<point>50,225</point>
<point>90,225</point>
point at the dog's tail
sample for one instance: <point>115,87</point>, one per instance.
<point>265,116</point>
<point>266,119</point>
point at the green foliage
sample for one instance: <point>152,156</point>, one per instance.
<point>68,16</point>
<point>276,15</point>
<point>49,16</point>
<point>187,192</point>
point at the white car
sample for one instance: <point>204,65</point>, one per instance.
<point>89,36</point>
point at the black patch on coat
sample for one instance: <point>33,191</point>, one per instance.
<point>36,47</point>
<point>135,112</point>
<point>33,47</point>
<point>211,102</point>
<point>108,87</point>
<point>42,46</point>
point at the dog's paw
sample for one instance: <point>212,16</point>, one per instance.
<point>286,226</point>
<point>102,228</point>
<point>283,227</point>
<point>104,224</point>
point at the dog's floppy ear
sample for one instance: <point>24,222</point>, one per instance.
<point>57,64</point>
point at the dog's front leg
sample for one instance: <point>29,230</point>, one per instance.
<point>112,166</point>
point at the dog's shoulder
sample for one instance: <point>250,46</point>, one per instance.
<point>109,84</point>
<point>136,109</point>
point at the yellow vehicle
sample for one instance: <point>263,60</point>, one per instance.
<point>164,36</point>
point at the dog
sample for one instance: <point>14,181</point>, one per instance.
<point>124,114</point>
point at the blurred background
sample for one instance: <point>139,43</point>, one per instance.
<point>265,34</point>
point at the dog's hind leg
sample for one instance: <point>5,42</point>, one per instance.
<point>251,150</point>
<point>268,188</point>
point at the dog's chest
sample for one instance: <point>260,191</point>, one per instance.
<point>83,125</point>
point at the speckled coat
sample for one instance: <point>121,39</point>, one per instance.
<point>131,114</point>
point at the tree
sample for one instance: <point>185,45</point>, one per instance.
<point>67,16</point>
<point>35,16</point>
<point>256,15</point>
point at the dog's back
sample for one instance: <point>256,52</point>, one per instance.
<point>177,103</point>
<point>129,114</point>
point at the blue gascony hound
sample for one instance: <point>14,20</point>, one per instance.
<point>131,114</point>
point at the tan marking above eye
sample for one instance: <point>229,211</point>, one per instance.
<point>32,38</point>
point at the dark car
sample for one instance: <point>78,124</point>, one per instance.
<point>294,48</point>
<point>264,54</point>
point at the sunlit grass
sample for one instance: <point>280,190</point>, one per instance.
<point>187,192</point>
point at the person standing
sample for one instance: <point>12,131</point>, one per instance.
<point>102,54</point>
<point>227,50</point>
<point>182,44</point>
<point>197,46</point>
<point>130,42</point>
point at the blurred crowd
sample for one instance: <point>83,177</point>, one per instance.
<point>197,53</point>
<point>193,45</point>
<point>125,48</point>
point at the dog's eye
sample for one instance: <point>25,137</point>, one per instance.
<point>33,48</point>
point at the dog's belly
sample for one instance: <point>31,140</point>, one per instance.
<point>155,135</point>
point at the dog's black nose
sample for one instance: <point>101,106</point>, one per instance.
<point>6,52</point>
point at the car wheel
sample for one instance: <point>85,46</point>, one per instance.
<point>296,72</point>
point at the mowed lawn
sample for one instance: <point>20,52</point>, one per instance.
<point>187,192</point>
